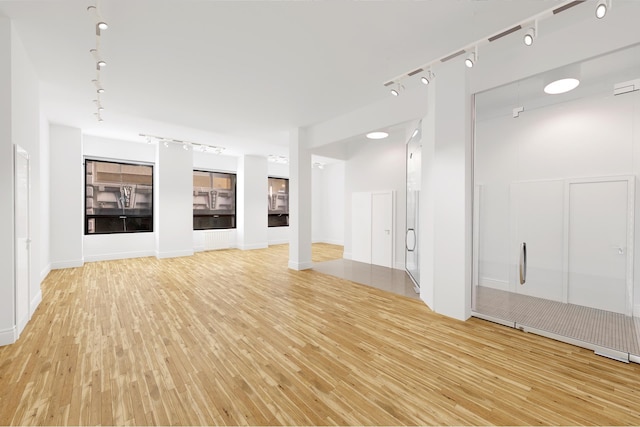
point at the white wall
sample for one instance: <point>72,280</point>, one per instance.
<point>328,199</point>
<point>100,247</point>
<point>26,133</point>
<point>377,166</point>
<point>251,208</point>
<point>7,291</point>
<point>45,199</point>
<point>19,125</point>
<point>66,197</point>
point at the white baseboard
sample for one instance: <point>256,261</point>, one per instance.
<point>118,255</point>
<point>67,264</point>
<point>198,249</point>
<point>278,242</point>
<point>21,324</point>
<point>35,302</point>
<point>45,272</point>
<point>488,282</point>
<point>300,265</point>
<point>173,254</point>
<point>8,336</point>
<point>331,242</point>
<point>253,246</point>
<point>346,255</point>
<point>636,310</point>
<point>399,265</point>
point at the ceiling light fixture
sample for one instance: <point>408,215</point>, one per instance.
<point>377,135</point>
<point>100,25</point>
<point>531,34</point>
<point>602,7</point>
<point>426,79</point>
<point>472,58</point>
<point>561,86</point>
<point>184,144</point>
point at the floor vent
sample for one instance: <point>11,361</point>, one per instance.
<point>217,239</point>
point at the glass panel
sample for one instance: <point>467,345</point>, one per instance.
<point>214,200</point>
<point>414,177</point>
<point>554,204</point>
<point>118,197</point>
<point>278,202</point>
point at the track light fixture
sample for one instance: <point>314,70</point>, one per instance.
<point>100,25</point>
<point>602,7</point>
<point>529,36</point>
<point>396,91</point>
<point>471,60</point>
<point>426,79</point>
<point>184,144</point>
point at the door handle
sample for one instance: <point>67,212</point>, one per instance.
<point>406,240</point>
<point>523,263</point>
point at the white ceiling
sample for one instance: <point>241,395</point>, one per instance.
<point>239,74</point>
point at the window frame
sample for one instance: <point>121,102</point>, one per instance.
<point>270,215</point>
<point>234,216</point>
<point>88,216</point>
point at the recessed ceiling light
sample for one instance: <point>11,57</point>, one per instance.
<point>561,86</point>
<point>377,135</point>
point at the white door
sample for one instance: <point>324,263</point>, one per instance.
<point>382,229</point>
<point>537,227</point>
<point>598,245</point>
<point>22,239</point>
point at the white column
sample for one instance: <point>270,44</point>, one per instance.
<point>451,184</point>
<point>173,201</point>
<point>299,202</point>
<point>252,193</point>
<point>67,204</point>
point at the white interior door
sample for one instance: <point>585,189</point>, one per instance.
<point>22,238</point>
<point>382,229</point>
<point>537,221</point>
<point>599,244</point>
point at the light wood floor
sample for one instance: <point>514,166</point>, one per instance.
<point>234,337</point>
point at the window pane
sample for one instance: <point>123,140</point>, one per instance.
<point>118,197</point>
<point>278,202</point>
<point>214,200</point>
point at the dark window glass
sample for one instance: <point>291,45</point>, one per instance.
<point>278,202</point>
<point>214,200</point>
<point>118,197</point>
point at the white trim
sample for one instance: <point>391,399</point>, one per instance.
<point>21,324</point>
<point>300,265</point>
<point>253,246</point>
<point>35,302</point>
<point>278,242</point>
<point>332,242</point>
<point>173,254</point>
<point>8,336</point>
<point>489,282</point>
<point>199,248</point>
<point>636,310</point>
<point>633,358</point>
<point>509,323</point>
<point>45,272</point>
<point>399,265</point>
<point>119,255</point>
<point>67,264</point>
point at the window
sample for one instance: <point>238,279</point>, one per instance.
<point>118,197</point>
<point>278,202</point>
<point>214,200</point>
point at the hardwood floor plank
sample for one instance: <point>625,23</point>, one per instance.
<point>236,338</point>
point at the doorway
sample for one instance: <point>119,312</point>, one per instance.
<point>22,238</point>
<point>414,179</point>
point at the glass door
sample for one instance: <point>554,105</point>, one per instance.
<point>554,206</point>
<point>414,177</point>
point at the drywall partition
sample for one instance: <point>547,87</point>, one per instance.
<point>173,201</point>
<point>451,177</point>
<point>251,208</point>
<point>375,165</point>
<point>427,206</point>
<point>45,200</point>
<point>7,291</point>
<point>25,130</point>
<point>99,247</point>
<point>299,201</point>
<point>67,204</point>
